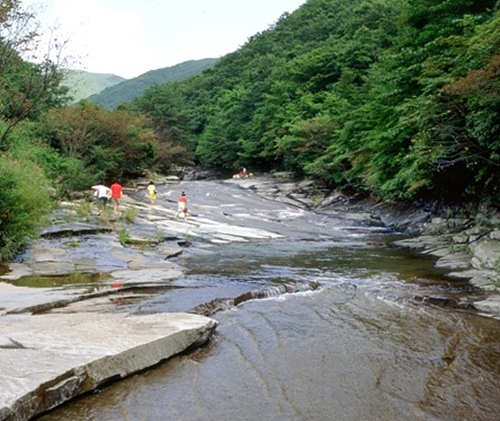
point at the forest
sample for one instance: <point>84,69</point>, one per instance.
<point>395,99</point>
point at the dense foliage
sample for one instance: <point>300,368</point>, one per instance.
<point>27,90</point>
<point>24,199</point>
<point>394,97</point>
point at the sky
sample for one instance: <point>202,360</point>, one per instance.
<point>130,37</point>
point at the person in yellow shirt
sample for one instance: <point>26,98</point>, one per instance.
<point>152,192</point>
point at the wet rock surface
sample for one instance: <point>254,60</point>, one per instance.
<point>61,334</point>
<point>465,239</point>
<point>136,254</point>
<point>469,248</point>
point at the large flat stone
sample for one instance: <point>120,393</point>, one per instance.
<point>26,299</point>
<point>48,359</point>
<point>490,306</point>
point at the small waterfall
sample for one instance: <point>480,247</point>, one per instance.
<point>212,307</point>
<point>221,304</point>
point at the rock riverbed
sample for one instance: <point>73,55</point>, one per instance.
<point>464,239</point>
<point>60,336</point>
<point>60,341</point>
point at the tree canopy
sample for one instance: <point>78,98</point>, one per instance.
<point>394,97</point>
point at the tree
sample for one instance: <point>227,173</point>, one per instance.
<point>110,144</point>
<point>26,88</point>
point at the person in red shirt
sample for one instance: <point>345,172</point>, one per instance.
<point>182,205</point>
<point>116,195</point>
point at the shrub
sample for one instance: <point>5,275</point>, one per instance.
<point>129,215</point>
<point>65,173</point>
<point>24,199</point>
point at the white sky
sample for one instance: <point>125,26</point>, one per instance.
<point>131,37</point>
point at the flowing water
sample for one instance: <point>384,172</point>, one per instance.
<point>354,340</point>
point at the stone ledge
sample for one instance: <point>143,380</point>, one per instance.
<point>48,359</point>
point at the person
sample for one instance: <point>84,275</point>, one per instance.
<point>152,192</point>
<point>116,195</point>
<point>182,205</point>
<point>242,174</point>
<point>103,194</point>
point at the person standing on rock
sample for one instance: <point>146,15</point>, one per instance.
<point>116,195</point>
<point>182,205</point>
<point>103,194</point>
<point>152,192</point>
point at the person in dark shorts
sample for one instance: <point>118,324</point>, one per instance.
<point>103,194</point>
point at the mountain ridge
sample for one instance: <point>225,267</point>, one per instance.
<point>83,84</point>
<point>110,90</point>
<point>129,89</point>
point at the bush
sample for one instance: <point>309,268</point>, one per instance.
<point>24,199</point>
<point>66,174</point>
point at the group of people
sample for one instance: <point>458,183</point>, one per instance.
<point>181,201</point>
<point>243,174</point>
<point>111,194</point>
<point>114,193</point>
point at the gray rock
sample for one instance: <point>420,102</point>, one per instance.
<point>53,358</point>
<point>454,261</point>
<point>489,307</point>
<point>486,254</point>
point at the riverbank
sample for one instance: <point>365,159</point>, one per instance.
<point>465,240</point>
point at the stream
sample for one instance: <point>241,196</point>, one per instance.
<point>354,340</point>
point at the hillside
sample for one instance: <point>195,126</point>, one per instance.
<point>83,84</point>
<point>130,89</point>
<point>393,98</point>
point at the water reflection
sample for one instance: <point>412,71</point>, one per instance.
<point>360,347</point>
<point>49,281</point>
<point>338,353</point>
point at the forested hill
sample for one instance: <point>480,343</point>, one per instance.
<point>130,89</point>
<point>82,84</point>
<point>394,97</point>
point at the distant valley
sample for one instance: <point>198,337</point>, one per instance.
<point>110,90</point>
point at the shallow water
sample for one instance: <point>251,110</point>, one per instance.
<point>360,347</point>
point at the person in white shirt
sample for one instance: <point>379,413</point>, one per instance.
<point>103,194</point>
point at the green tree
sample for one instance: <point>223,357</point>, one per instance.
<point>391,97</point>
<point>108,144</point>
<point>26,89</point>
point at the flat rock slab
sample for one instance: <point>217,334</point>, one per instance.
<point>46,360</point>
<point>25,299</point>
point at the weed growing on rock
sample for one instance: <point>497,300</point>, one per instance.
<point>123,237</point>
<point>84,209</point>
<point>129,215</point>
